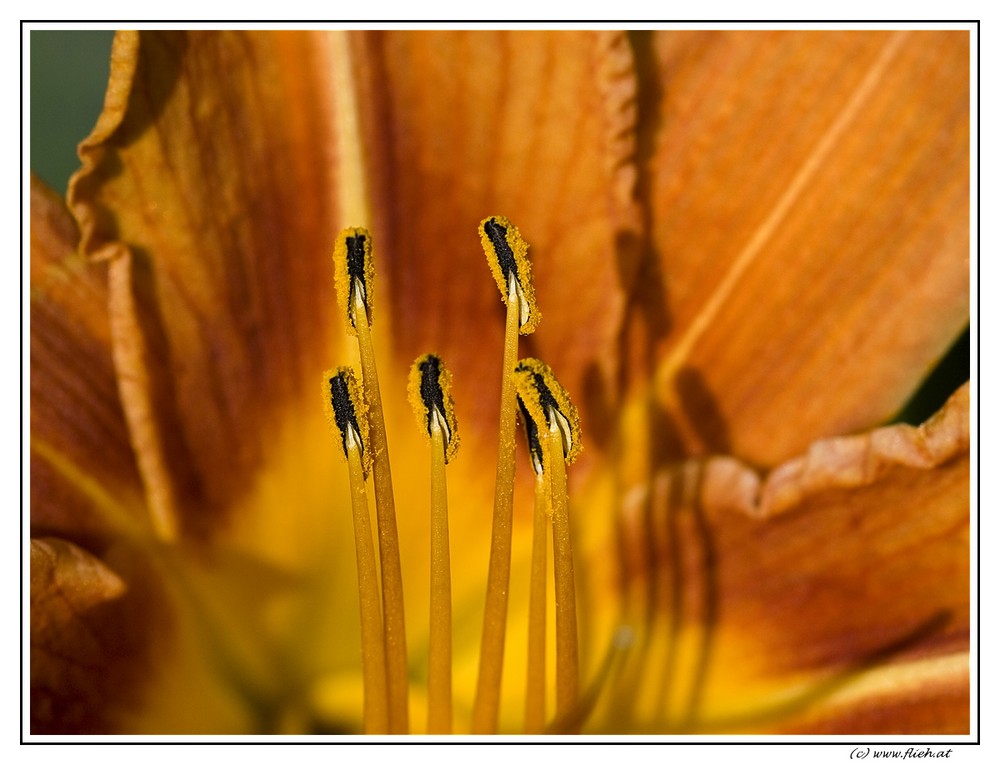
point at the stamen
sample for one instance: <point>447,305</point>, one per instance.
<point>355,280</point>
<point>544,400</point>
<point>430,395</point>
<point>506,253</point>
<point>354,274</point>
<point>346,413</point>
<point>567,659</point>
<point>429,391</point>
<point>607,673</point>
<point>534,708</point>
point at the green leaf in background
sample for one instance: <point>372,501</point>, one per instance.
<point>69,72</point>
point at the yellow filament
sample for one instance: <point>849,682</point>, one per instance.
<point>388,540</point>
<point>534,708</point>
<point>486,708</point>
<point>376,702</point>
<point>607,674</point>
<point>439,664</point>
<point>567,659</point>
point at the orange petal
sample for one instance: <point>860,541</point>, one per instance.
<point>832,596</point>
<point>207,181</point>
<point>84,483</point>
<point>535,126</point>
<point>810,196</point>
<point>906,698</point>
<point>71,593</point>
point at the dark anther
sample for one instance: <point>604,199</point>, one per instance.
<point>505,256</point>
<point>430,388</point>
<point>343,410</point>
<point>356,259</point>
<point>545,398</point>
<point>534,442</point>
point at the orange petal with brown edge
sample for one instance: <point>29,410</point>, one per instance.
<point>208,181</point>
<point>84,483</point>
<point>831,596</point>
<point>810,200</point>
<point>536,126</point>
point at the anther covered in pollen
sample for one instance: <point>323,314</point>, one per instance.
<point>347,414</point>
<point>430,395</point>
<point>533,438</point>
<point>548,404</point>
<point>553,428</point>
<point>507,254</point>
<point>429,391</point>
<point>354,272</point>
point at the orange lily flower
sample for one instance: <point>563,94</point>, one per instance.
<point>748,248</point>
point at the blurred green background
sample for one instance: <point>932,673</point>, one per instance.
<point>69,71</point>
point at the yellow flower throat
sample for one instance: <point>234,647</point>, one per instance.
<point>553,432</point>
